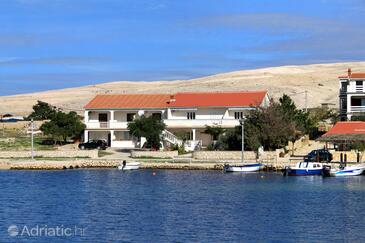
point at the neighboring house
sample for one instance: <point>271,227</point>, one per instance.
<point>107,116</point>
<point>352,95</point>
<point>343,136</point>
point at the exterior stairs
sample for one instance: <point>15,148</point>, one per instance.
<point>171,138</point>
<point>189,145</point>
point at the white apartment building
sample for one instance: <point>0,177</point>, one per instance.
<point>352,95</point>
<point>107,116</point>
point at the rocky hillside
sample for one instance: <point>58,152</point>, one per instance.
<point>320,80</point>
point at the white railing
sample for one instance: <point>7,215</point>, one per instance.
<point>201,122</point>
<point>359,88</point>
<point>171,138</point>
<point>101,125</point>
<point>357,108</point>
<point>181,123</point>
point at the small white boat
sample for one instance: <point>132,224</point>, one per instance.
<point>242,168</point>
<point>129,166</point>
<point>354,170</point>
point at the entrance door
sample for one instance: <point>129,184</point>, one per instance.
<point>109,139</point>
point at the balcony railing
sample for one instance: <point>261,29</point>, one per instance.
<point>106,125</point>
<point>169,123</point>
<point>357,108</point>
<point>201,122</point>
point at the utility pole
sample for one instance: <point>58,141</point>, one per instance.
<point>32,137</point>
<point>243,139</point>
<point>306,100</point>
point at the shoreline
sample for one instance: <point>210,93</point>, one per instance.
<point>11,164</point>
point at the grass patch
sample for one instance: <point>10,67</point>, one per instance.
<point>50,158</point>
<point>151,157</point>
<point>102,153</point>
<point>17,139</point>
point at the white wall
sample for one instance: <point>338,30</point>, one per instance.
<point>96,135</point>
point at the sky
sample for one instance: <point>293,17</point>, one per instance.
<point>52,44</point>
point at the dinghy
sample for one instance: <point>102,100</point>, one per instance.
<point>354,170</point>
<point>129,166</point>
<point>242,168</point>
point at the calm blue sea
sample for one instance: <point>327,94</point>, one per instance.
<point>178,206</point>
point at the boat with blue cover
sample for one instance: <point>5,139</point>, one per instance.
<point>304,169</point>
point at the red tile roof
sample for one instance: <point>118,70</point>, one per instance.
<point>217,99</point>
<point>354,75</point>
<point>345,128</point>
<point>128,101</point>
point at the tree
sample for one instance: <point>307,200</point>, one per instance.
<point>63,126</point>
<point>43,111</point>
<point>271,127</point>
<point>148,127</point>
<point>214,131</point>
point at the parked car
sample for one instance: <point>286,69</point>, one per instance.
<point>94,144</point>
<point>319,155</point>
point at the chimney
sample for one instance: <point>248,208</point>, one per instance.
<point>349,72</point>
<point>172,98</point>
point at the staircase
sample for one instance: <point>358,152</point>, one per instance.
<point>171,138</point>
<point>189,145</point>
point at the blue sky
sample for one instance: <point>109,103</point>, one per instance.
<point>51,44</point>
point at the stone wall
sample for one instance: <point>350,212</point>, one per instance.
<point>51,154</point>
<point>234,155</point>
<point>155,154</point>
<point>351,156</point>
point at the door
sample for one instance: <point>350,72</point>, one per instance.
<point>109,139</point>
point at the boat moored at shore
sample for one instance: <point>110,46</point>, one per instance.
<point>304,169</point>
<point>242,168</point>
<point>129,166</point>
<point>354,170</point>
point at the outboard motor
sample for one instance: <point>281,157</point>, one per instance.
<point>286,170</point>
<point>326,170</point>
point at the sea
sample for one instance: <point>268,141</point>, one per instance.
<point>108,205</point>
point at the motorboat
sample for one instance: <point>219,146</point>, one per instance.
<point>353,170</point>
<point>304,169</point>
<point>242,168</point>
<point>129,165</point>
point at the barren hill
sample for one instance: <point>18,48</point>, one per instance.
<point>320,80</point>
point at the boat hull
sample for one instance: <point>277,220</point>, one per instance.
<point>243,168</point>
<point>304,172</point>
<point>347,172</point>
<point>129,166</point>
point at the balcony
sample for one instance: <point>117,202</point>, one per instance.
<point>200,123</point>
<point>357,109</point>
<point>173,123</point>
<point>106,125</point>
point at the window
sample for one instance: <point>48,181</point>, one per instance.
<point>358,83</point>
<point>156,116</point>
<point>190,115</point>
<point>130,116</point>
<point>122,135</point>
<point>103,117</point>
<point>238,115</point>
